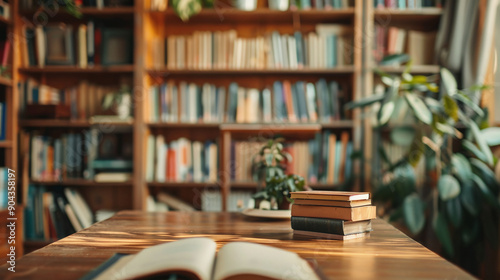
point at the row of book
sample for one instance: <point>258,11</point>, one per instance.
<point>3,121</point>
<point>282,102</point>
<point>419,45</point>
<point>5,52</point>
<point>4,187</point>
<point>89,155</point>
<point>330,46</point>
<point>332,214</point>
<point>84,99</point>
<point>55,214</point>
<point>325,159</point>
<point>181,160</point>
<point>5,9</point>
<point>211,201</point>
<point>407,4</point>
<point>91,44</point>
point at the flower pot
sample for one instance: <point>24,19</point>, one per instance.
<point>245,5</point>
<point>280,5</point>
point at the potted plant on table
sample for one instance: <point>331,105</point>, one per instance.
<point>269,171</point>
<point>448,131</point>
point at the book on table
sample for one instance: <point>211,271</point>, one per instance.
<point>196,258</point>
<point>331,195</point>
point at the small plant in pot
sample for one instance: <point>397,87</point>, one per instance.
<point>269,171</point>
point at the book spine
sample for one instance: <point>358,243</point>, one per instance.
<point>331,226</point>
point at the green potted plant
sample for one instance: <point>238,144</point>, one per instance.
<point>269,171</point>
<point>449,132</point>
<point>188,8</point>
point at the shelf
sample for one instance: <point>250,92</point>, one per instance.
<point>185,185</point>
<point>77,70</point>
<point>38,123</point>
<point>252,126</point>
<point>253,185</point>
<point>415,69</point>
<point>36,244</point>
<point>81,182</point>
<point>261,15</point>
<point>5,21</point>
<point>5,81</point>
<point>5,144</point>
<point>409,15</point>
<point>348,69</point>
<point>273,128</point>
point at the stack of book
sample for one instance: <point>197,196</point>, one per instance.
<point>332,214</point>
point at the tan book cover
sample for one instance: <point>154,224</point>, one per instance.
<point>330,174</point>
<point>332,236</point>
<point>340,213</point>
<point>336,203</point>
<point>331,195</point>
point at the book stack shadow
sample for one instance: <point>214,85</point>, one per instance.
<point>332,214</point>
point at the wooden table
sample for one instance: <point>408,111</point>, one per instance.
<point>386,254</point>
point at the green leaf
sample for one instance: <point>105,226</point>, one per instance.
<point>441,229</point>
<point>471,147</point>
<point>413,210</point>
<point>395,58</point>
<point>490,197</point>
<point>466,100</point>
<point>483,146</point>
<point>449,82</point>
<point>450,107</point>
<point>469,198</point>
<point>419,108</point>
<point>484,172</point>
<point>448,187</point>
<point>419,79</point>
<point>433,104</point>
<point>387,80</point>
<point>470,232</point>
<point>403,136</point>
<point>445,128</point>
<point>461,168</point>
<point>454,211</point>
<point>186,8</point>
<point>365,102</point>
<point>386,112</point>
<point>491,135</point>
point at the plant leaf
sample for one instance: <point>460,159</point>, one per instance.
<point>419,108</point>
<point>469,199</point>
<point>450,107</point>
<point>386,112</point>
<point>490,197</point>
<point>483,146</point>
<point>395,58</point>
<point>461,168</point>
<point>465,99</point>
<point>491,135</point>
<point>441,229</point>
<point>449,81</point>
<point>448,187</point>
<point>433,104</point>
<point>403,136</point>
<point>473,149</point>
<point>365,102</point>
<point>484,172</point>
<point>413,210</point>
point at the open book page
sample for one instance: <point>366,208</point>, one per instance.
<point>238,259</point>
<point>192,255</point>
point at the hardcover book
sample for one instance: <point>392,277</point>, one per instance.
<point>331,195</point>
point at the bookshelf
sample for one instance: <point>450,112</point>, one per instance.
<point>9,128</point>
<point>425,20</point>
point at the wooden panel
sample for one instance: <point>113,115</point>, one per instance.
<point>386,254</point>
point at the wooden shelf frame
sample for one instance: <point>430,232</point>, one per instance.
<point>98,69</point>
<point>81,183</point>
<point>41,123</point>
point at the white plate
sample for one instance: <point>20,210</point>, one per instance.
<point>269,214</point>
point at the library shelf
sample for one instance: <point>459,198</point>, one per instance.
<point>347,69</point>
<point>185,185</point>
<point>31,245</point>
<point>98,69</point>
<point>252,126</point>
<point>5,21</point>
<point>184,125</point>
<point>41,123</point>
<point>5,144</point>
<point>81,182</point>
<point>261,15</point>
<point>415,69</point>
<point>409,15</point>
<point>5,81</point>
<point>277,127</point>
<point>60,14</point>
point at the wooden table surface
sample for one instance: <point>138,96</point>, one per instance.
<point>386,254</point>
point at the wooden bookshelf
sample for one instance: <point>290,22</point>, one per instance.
<point>348,69</point>
<point>5,144</point>
<point>183,185</point>
<point>38,123</point>
<point>415,69</point>
<point>81,183</point>
<point>77,70</point>
<point>6,81</point>
<point>5,21</point>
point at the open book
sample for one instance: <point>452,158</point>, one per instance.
<point>195,258</point>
